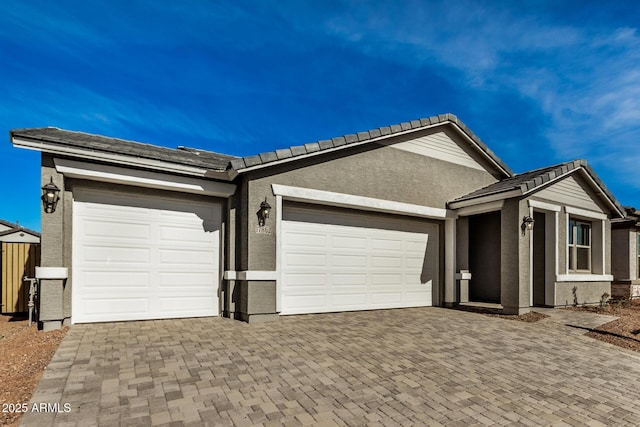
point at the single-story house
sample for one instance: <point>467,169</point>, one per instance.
<point>420,213</point>
<point>625,253</point>
<point>15,233</point>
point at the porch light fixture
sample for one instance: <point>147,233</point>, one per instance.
<point>263,213</point>
<point>527,224</point>
<point>50,197</point>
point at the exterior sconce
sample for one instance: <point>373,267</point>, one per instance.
<point>527,224</point>
<point>263,213</point>
<point>50,197</point>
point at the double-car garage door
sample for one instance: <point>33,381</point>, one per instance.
<point>342,260</point>
<point>140,256</point>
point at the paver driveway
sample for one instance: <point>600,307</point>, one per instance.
<point>426,366</point>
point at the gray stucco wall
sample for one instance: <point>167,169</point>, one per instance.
<point>379,172</point>
<point>578,293</point>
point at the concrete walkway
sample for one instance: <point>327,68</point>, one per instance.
<point>426,366</point>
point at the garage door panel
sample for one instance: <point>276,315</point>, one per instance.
<point>109,279</point>
<point>117,307</point>
<point>116,255</point>
<point>306,259</point>
<point>348,242</point>
<point>387,261</point>
<point>379,265</point>
<point>134,254</point>
<point>348,301</point>
<point>344,280</point>
<point>308,279</point>
<point>184,305</point>
<point>348,261</point>
<point>186,278</point>
<point>183,256</point>
<point>302,303</point>
<point>104,229</point>
<point>186,235</point>
<point>387,298</point>
<point>386,244</point>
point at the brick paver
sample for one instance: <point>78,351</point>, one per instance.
<point>425,366</point>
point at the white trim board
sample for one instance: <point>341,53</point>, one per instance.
<point>141,178</point>
<point>585,213</point>
<point>482,208</point>
<point>544,206</point>
<point>584,278</point>
<point>359,202</point>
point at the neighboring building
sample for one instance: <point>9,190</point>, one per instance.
<point>625,252</point>
<point>416,214</point>
<point>15,233</point>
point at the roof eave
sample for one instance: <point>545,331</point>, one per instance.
<point>485,198</point>
<point>45,146</point>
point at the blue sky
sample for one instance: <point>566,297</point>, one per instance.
<point>541,82</point>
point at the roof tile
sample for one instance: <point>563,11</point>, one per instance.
<point>325,144</point>
<point>375,133</point>
<point>351,138</point>
<point>269,156</point>
<point>284,153</point>
<point>312,147</point>
<point>338,141</point>
<point>252,161</point>
<point>396,128</point>
<point>405,125</point>
<point>298,150</point>
<point>237,164</point>
<point>363,136</point>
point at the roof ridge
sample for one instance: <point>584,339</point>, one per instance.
<point>362,137</point>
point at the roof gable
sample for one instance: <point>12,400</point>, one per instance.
<point>440,145</point>
<point>378,135</point>
<point>528,183</point>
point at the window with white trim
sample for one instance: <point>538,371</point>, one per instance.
<point>579,246</point>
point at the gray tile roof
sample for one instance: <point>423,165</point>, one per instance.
<point>631,219</point>
<point>529,181</point>
<point>327,144</point>
<point>183,156</point>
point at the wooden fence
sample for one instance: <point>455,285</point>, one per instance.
<point>17,260</point>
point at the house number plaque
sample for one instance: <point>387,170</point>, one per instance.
<point>265,229</point>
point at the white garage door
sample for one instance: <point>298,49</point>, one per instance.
<point>142,257</point>
<point>339,261</point>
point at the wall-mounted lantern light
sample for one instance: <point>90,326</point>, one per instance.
<point>50,196</point>
<point>527,224</point>
<point>263,213</point>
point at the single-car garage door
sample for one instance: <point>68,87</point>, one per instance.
<point>340,260</point>
<point>137,256</point>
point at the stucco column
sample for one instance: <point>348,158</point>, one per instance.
<point>51,296</point>
<point>450,296</point>
<point>515,259</point>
